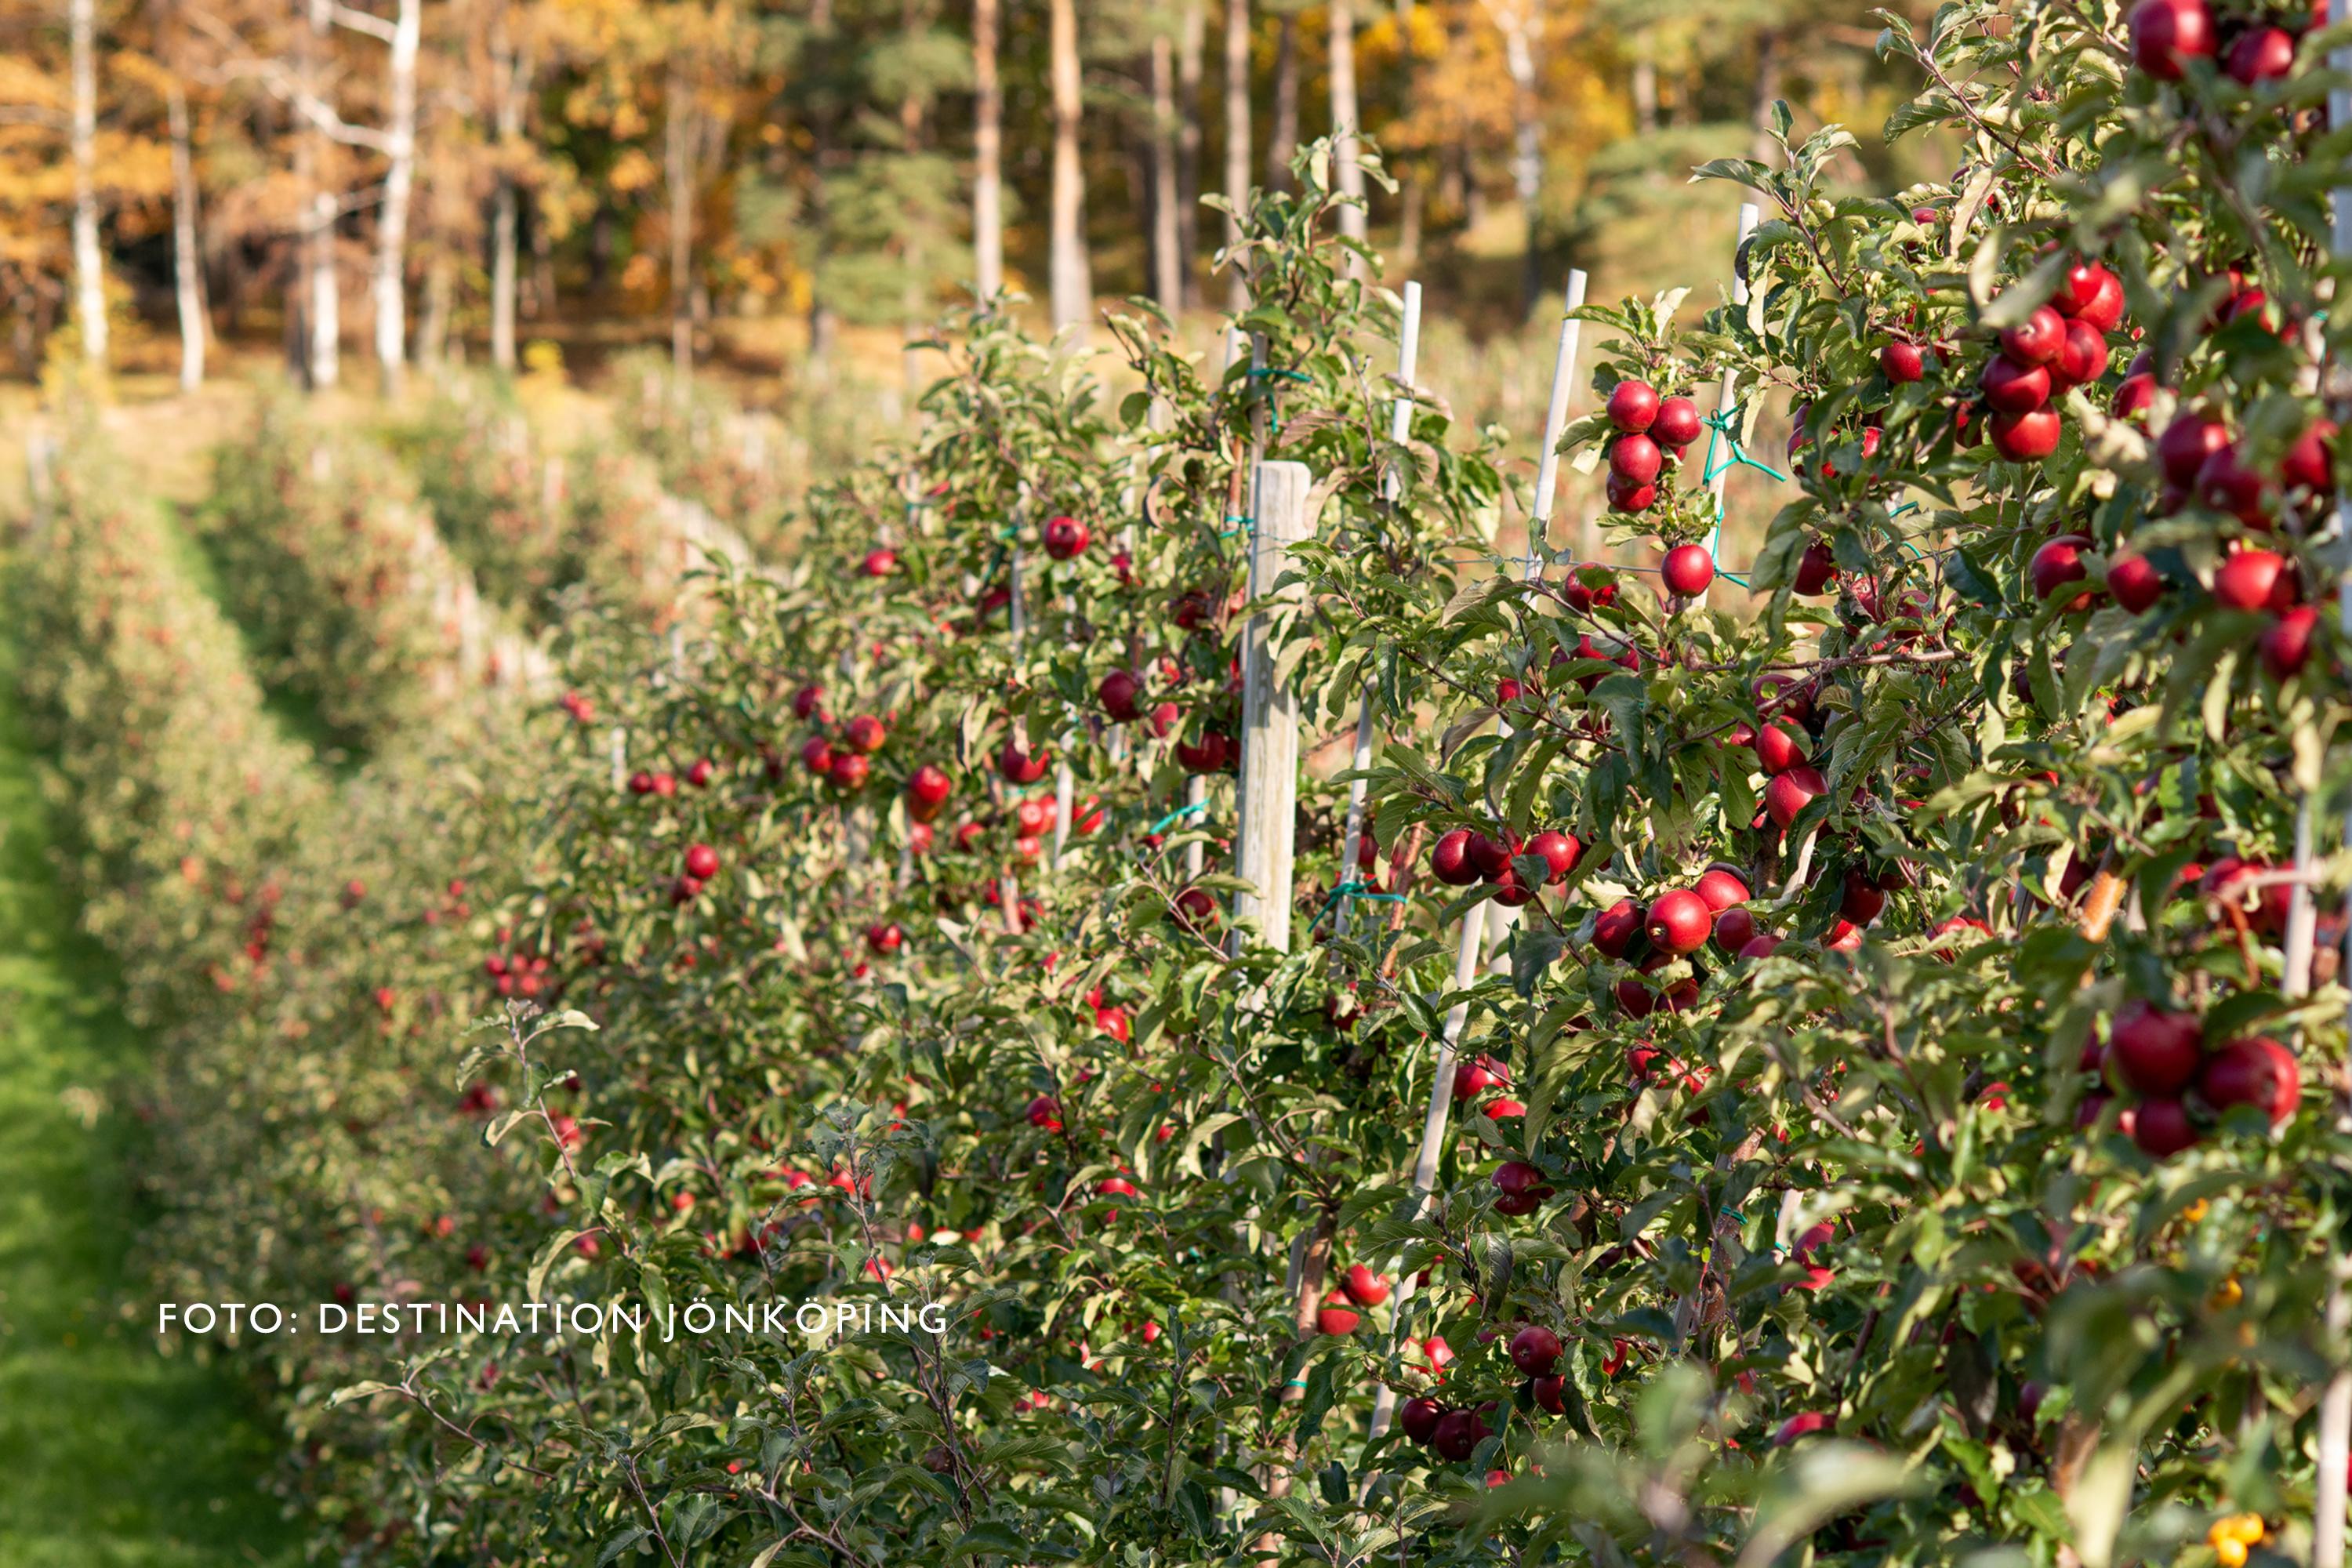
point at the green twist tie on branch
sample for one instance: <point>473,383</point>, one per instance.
<point>1723,423</point>
<point>1181,810</point>
<point>1239,523</point>
<point>1352,888</point>
<point>1274,409</point>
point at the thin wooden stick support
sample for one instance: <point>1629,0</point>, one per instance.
<point>1730,384</point>
<point>1392,485</point>
<point>1269,782</point>
<point>1433,1125</point>
<point>1563,380</point>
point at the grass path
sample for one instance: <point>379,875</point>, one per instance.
<point>111,1456</point>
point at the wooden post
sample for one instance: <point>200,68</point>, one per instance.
<point>1433,1129</point>
<point>1400,429</point>
<point>2336,1401</point>
<point>1269,782</point>
<point>1747,216</point>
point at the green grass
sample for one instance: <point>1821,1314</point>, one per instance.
<point>111,1454</point>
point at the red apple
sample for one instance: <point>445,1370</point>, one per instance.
<point>879,562</point>
<point>1625,497</point>
<point>1614,928</point>
<point>1449,862</point>
<point>2261,53</point>
<point>1338,1315</point>
<point>1791,792</point>
<point>2136,583</point>
<point>1045,1111</point>
<point>2287,644</point>
<point>1720,889</point>
<point>2037,340</point>
<point>1560,851</point>
<point>808,701</point>
<point>1634,460</point>
<point>2011,387</point>
<point>1118,693</point>
<point>2259,1072</point>
<point>1688,570</point>
<point>2134,397</point>
<point>1419,1416</point>
<point>1018,764</point>
<point>1735,928</point>
<point>1680,922</point>
<point>2057,564</point>
<point>1065,537</point>
<point>2310,463</point>
<point>1535,1349</point>
<point>1779,747</point>
<point>2081,359</point>
<point>1459,1434</point>
<point>885,938</point>
<point>2155,1050</point>
<point>2228,486</point>
<point>2027,438</point>
<point>850,770</point>
<point>2161,1128</point>
<point>1677,424</point>
<point>2185,445</point>
<point>2166,35</point>
<point>1632,406</point>
<point>2254,580</point>
<point>1763,944</point>
<point>1798,1425</point>
<point>1901,362</point>
<point>1861,897</point>
<point>865,732</point>
<point>701,862</point>
<point>1816,568</point>
<point>1366,1286</point>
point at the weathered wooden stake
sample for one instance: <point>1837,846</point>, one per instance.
<point>1269,781</point>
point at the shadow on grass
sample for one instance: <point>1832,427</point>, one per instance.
<point>110,1454</point>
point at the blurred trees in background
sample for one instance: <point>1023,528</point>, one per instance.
<point>416,179</point>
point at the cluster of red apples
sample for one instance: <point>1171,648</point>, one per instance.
<point>2061,345</point>
<point>2159,1056</point>
<point>1652,431</point>
<point>2167,35</point>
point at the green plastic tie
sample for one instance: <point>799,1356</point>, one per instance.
<point>1161,825</point>
<point>1722,423</point>
<point>1353,888</point>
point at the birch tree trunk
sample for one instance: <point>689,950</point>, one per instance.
<point>325,305</point>
<point>679,147</point>
<point>391,282</point>
<point>89,275</point>
<point>1344,117</point>
<point>1190,41</point>
<point>1072,287</point>
<point>510,74</point>
<point>1237,131</point>
<point>1518,27</point>
<point>1167,234</point>
<point>988,153</point>
<point>1765,92</point>
<point>187,279</point>
<point>1282,133</point>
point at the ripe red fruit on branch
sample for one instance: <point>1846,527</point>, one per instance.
<point>2286,643</point>
<point>1860,899</point>
<point>1045,1111</point>
<point>1065,537</point>
<point>807,700</point>
<point>2259,1072</point>
<point>1688,570</point>
<point>878,563</point>
<point>1118,693</point>
<point>1735,928</point>
<point>1366,1287</point>
<point>882,940</point>
<point>2057,564</point>
<point>2185,445</point>
<point>1720,889</point>
<point>2134,397</point>
<point>865,732</point>
<point>1632,406</point>
<point>1614,927</point>
<point>1535,1349</point>
<point>2261,54</point>
<point>701,862</point>
<point>1338,1315</point>
<point>1018,764</point>
<point>1478,1075</point>
<point>1634,459</point>
<point>928,789</point>
<point>1492,857</point>
<point>2155,1050</point>
<point>2078,286</point>
<point>2161,1128</point>
<point>2026,437</point>
<point>1901,362</point>
<point>1625,497</point>
<point>1449,861</point>
<point>1560,851</point>
<point>816,755</point>
<point>2082,358</point>
<point>2166,35</point>
<point>2310,463</point>
<point>850,770</point>
<point>1791,792</point>
<point>2228,486</point>
<point>1680,922</point>
<point>1419,1416</point>
<point>1677,424</point>
<point>1459,1434</point>
<point>1816,568</point>
<point>2134,582</point>
<point>2036,339</point>
<point>1779,747</point>
<point>2254,580</point>
<point>2011,387</point>
<point>1798,1426</point>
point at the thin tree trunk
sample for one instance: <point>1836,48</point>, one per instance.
<point>1344,123</point>
<point>1190,45</point>
<point>1646,94</point>
<point>988,153</point>
<point>821,319</point>
<point>1412,202</point>
<point>679,146</point>
<point>1072,288</point>
<point>1527,159</point>
<point>1237,134</point>
<point>89,274</point>
<point>1282,134</point>
<point>433,328</point>
<point>1167,234</point>
<point>1765,93</point>
<point>187,276</point>
<point>391,283</point>
<point>504,216</point>
<point>324,306</point>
